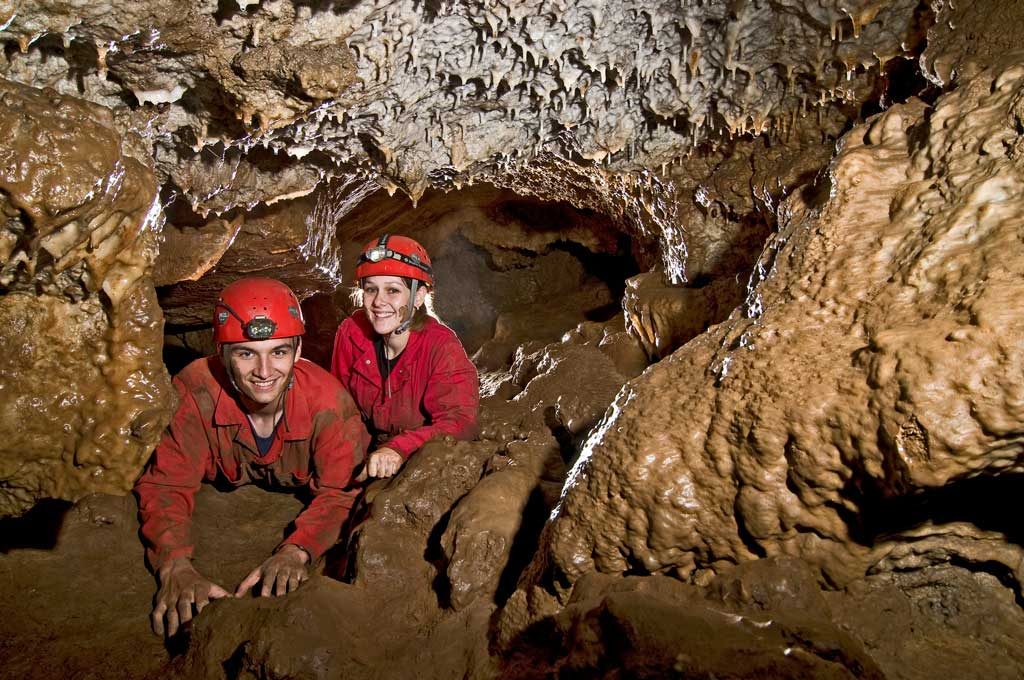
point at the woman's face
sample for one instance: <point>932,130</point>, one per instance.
<point>386,301</point>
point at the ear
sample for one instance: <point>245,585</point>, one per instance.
<point>298,348</point>
<point>421,295</point>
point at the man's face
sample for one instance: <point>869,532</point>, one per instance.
<point>262,369</point>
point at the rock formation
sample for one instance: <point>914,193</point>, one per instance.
<point>742,280</point>
<point>267,124</point>
<point>85,394</point>
<point>873,366</point>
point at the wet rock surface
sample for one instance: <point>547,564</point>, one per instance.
<point>869,367</point>
<point>76,591</point>
<point>90,595</point>
<point>657,627</point>
<point>86,395</point>
<point>830,300</point>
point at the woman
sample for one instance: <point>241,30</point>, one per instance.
<point>408,373</point>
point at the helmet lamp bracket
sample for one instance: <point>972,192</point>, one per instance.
<point>260,328</point>
<point>378,253</point>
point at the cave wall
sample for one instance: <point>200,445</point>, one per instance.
<point>688,128</point>
<point>858,411</point>
<point>873,370</point>
<point>85,394</point>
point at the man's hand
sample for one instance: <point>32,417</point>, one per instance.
<point>181,588</point>
<point>281,573</point>
<point>383,462</point>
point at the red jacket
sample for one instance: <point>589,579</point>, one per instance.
<point>434,392</point>
<point>319,440</point>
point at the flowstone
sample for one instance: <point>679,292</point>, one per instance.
<point>871,372</point>
<point>86,394</point>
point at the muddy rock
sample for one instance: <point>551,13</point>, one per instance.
<point>77,591</point>
<point>922,623</point>
<point>502,513</point>
<point>658,627</point>
<point>189,252</point>
<point>871,363</point>
<point>87,394</point>
<point>780,584</point>
<point>663,317</point>
<point>532,395</point>
<point>273,242</point>
<point>536,427</point>
<point>395,537</point>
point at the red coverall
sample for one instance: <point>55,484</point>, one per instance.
<point>318,442</point>
<point>434,390</point>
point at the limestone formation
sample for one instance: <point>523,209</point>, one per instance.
<point>448,89</point>
<point>875,364</point>
<point>248,105</point>
<point>664,317</point>
<point>85,394</point>
<point>745,276</point>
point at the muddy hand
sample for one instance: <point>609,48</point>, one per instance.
<point>181,589</point>
<point>281,573</point>
<point>383,462</point>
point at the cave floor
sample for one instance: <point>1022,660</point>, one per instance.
<point>76,593</point>
<point>76,597</point>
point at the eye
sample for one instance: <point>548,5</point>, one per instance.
<point>394,291</point>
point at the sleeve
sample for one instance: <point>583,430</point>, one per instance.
<point>339,444</point>
<point>451,399</point>
<point>167,487</point>
<point>341,362</point>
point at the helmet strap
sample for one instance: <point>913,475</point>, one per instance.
<point>404,326</point>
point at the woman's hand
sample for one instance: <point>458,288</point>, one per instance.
<point>383,462</point>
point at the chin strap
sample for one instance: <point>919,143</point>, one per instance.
<point>404,326</point>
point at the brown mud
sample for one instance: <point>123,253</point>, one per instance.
<point>79,609</point>
<point>76,593</point>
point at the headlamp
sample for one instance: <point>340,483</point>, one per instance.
<point>377,254</point>
<point>260,328</point>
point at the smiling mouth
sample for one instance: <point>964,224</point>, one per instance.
<point>263,385</point>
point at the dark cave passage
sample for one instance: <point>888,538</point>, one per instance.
<point>509,270</point>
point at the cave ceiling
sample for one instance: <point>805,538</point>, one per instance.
<point>612,106</point>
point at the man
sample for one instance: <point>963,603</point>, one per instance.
<point>253,413</point>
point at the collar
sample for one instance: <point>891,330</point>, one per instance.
<point>365,351</point>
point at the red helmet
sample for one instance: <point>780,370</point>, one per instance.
<point>395,256</point>
<point>256,308</point>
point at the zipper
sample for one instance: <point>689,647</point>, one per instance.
<point>386,392</point>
